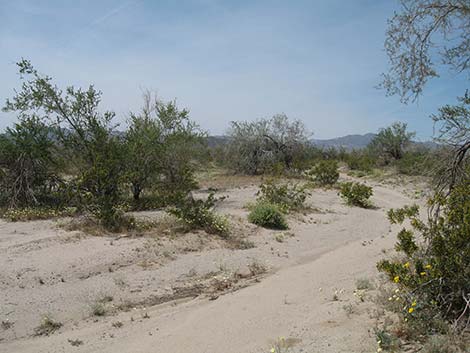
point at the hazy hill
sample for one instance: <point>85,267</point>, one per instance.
<point>348,142</point>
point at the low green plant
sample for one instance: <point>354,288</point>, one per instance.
<point>356,194</point>
<point>286,197</point>
<point>267,215</point>
<point>324,173</point>
<point>34,213</point>
<point>199,214</point>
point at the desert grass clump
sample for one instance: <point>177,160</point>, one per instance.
<point>98,309</point>
<point>364,284</point>
<point>47,327</point>
<point>324,173</point>
<point>267,215</point>
<point>356,194</point>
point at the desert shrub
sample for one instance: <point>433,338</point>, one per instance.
<point>324,173</point>
<point>255,147</point>
<point>356,194</point>
<point>359,160</point>
<point>390,143</point>
<point>433,275</point>
<point>285,196</point>
<point>28,163</point>
<point>267,215</point>
<point>418,162</point>
<point>87,135</point>
<point>199,214</point>
<point>162,144</point>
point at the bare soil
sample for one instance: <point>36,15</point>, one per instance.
<point>171,292</point>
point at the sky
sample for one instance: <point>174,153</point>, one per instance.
<point>318,61</point>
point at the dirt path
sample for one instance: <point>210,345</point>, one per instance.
<point>323,253</point>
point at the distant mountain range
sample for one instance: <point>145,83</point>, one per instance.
<point>348,142</point>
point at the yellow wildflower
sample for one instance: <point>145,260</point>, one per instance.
<point>396,279</point>
<point>410,310</point>
<point>414,303</point>
<point>428,266</point>
<point>406,265</point>
<point>423,273</point>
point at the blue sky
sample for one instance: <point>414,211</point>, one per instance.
<point>317,60</point>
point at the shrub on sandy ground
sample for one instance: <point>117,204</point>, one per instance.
<point>286,197</point>
<point>267,215</point>
<point>161,145</point>
<point>356,194</point>
<point>256,147</point>
<point>391,142</point>
<point>28,163</point>
<point>360,160</point>
<point>324,173</point>
<point>199,214</point>
<point>433,276</point>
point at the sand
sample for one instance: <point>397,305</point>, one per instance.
<point>195,292</point>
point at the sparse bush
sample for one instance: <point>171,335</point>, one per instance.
<point>324,173</point>
<point>199,214</point>
<point>356,194</point>
<point>433,275</point>
<point>265,145</point>
<point>285,196</point>
<point>364,284</point>
<point>267,215</point>
<point>28,163</point>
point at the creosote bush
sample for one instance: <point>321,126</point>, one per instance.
<point>324,173</point>
<point>199,214</point>
<point>267,215</point>
<point>356,194</point>
<point>285,196</point>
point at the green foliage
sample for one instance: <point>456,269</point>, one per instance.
<point>324,173</point>
<point>28,163</point>
<point>285,196</point>
<point>199,214</point>
<point>418,162</point>
<point>267,215</point>
<point>360,160</point>
<point>356,194</point>
<point>33,213</point>
<point>391,142</point>
<point>162,144</point>
<point>433,275</point>
<point>86,135</point>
